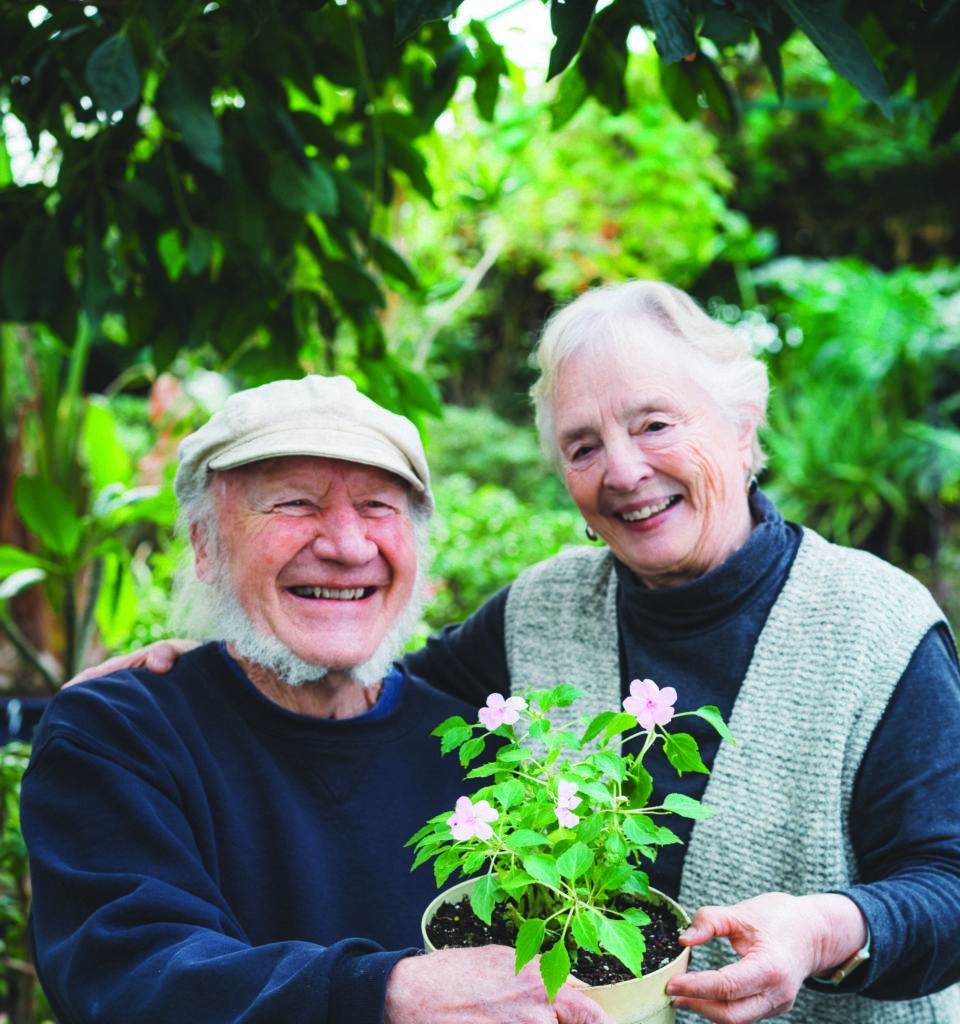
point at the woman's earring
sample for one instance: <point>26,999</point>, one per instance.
<point>590,532</point>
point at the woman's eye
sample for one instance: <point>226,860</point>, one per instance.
<point>580,452</point>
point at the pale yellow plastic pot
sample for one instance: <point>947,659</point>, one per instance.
<point>637,1001</point>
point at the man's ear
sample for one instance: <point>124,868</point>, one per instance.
<point>748,422</point>
<point>201,554</point>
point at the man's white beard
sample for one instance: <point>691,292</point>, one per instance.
<point>212,611</point>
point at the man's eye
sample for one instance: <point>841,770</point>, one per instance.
<point>655,426</point>
<point>293,503</point>
<point>580,452</point>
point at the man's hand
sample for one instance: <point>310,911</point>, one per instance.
<point>157,657</point>
<point>782,940</point>
<point>457,986</point>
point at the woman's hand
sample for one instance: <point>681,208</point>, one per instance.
<point>157,657</point>
<point>781,939</point>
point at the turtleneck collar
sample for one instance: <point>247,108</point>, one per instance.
<point>753,570</point>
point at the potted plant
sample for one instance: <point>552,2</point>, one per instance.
<point>552,845</point>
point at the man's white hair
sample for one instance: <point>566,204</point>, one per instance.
<point>619,316</point>
<point>213,611</point>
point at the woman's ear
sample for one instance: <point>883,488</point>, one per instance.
<point>747,424</point>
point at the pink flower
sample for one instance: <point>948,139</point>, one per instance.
<point>649,704</point>
<point>566,801</point>
<point>469,820</point>
<point>501,712</point>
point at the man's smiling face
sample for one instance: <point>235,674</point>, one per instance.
<point>321,552</point>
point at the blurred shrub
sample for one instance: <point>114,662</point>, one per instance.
<point>483,537</point>
<point>491,450</point>
<point>865,368</point>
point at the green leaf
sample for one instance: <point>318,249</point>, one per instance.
<point>615,876</point>
<point>529,940</point>
<point>482,897</point>
<point>571,95</point>
<point>509,793</point>
<point>686,806</point>
<point>635,916</point>
<point>638,828</point>
<point>584,928</point>
<point>351,284</point>
<point>474,862</point>
<point>595,725</point>
<point>560,696</point>
<point>674,28</point>
<point>625,942</point>
<point>615,844</point>
<point>638,787</point>
<point>471,749</point>
<point>569,21</point>
<point>638,883</point>
<point>112,74</point>
<point>711,713</point>
<point>590,828</point>
<point>445,865</point>
<point>597,792</point>
<point>484,770</point>
<point>106,458</point>
<point>555,968</point>
<point>683,753</point>
<point>20,580</point>
<point>575,861</point>
<point>516,881</point>
<point>116,609</point>
<point>510,755</point>
<point>610,764</point>
<point>542,868</point>
<point>411,14</point>
<point>46,512</point>
<point>14,559</point>
<point>454,722</point>
<point>621,722</point>
<point>309,189</point>
<point>185,104</point>
<point>523,838</point>
<point>454,737</point>
<point>392,263</point>
<point>822,21</point>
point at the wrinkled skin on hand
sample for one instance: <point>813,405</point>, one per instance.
<point>781,939</point>
<point>157,657</point>
<point>478,986</point>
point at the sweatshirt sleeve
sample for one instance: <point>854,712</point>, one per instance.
<point>468,660</point>
<point>128,922</point>
<point>905,830</point>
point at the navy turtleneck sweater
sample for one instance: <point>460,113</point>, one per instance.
<point>699,637</point>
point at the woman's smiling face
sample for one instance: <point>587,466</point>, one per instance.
<point>652,461</point>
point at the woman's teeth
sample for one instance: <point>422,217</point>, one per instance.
<point>647,511</point>
<point>330,593</point>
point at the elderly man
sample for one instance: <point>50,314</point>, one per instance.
<point>225,843</point>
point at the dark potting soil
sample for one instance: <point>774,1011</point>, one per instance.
<point>455,924</point>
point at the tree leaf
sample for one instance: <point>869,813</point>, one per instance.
<point>516,881</point>
<point>686,806</point>
<point>620,722</point>
<point>555,968</point>
<point>470,750</point>
<point>569,20</point>
<point>453,722</point>
<point>484,771</point>
<point>482,897</point>
<point>542,868</point>
<point>20,580</point>
<point>529,940</point>
<point>452,738</point>
<point>590,828</point>
<point>411,14</point>
<point>15,559</point>
<point>711,713</point>
<point>674,28</point>
<point>309,189</point>
<point>112,74</point>
<point>575,861</point>
<point>595,726</point>
<point>610,764</point>
<point>624,941</point>
<point>683,753</point>
<point>46,512</point>
<point>106,458</point>
<point>822,21</point>
<point>185,104</point>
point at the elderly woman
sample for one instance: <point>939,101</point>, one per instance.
<point>832,864</point>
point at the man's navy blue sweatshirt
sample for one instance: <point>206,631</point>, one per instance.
<point>699,637</point>
<point>200,854</point>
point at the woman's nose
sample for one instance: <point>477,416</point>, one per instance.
<point>626,465</point>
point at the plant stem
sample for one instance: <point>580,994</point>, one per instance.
<point>28,652</point>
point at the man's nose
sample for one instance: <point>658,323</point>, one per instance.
<point>342,536</point>
<point>626,465</point>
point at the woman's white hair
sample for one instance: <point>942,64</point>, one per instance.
<point>212,610</point>
<point>620,315</point>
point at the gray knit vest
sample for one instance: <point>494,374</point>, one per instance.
<point>837,640</point>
